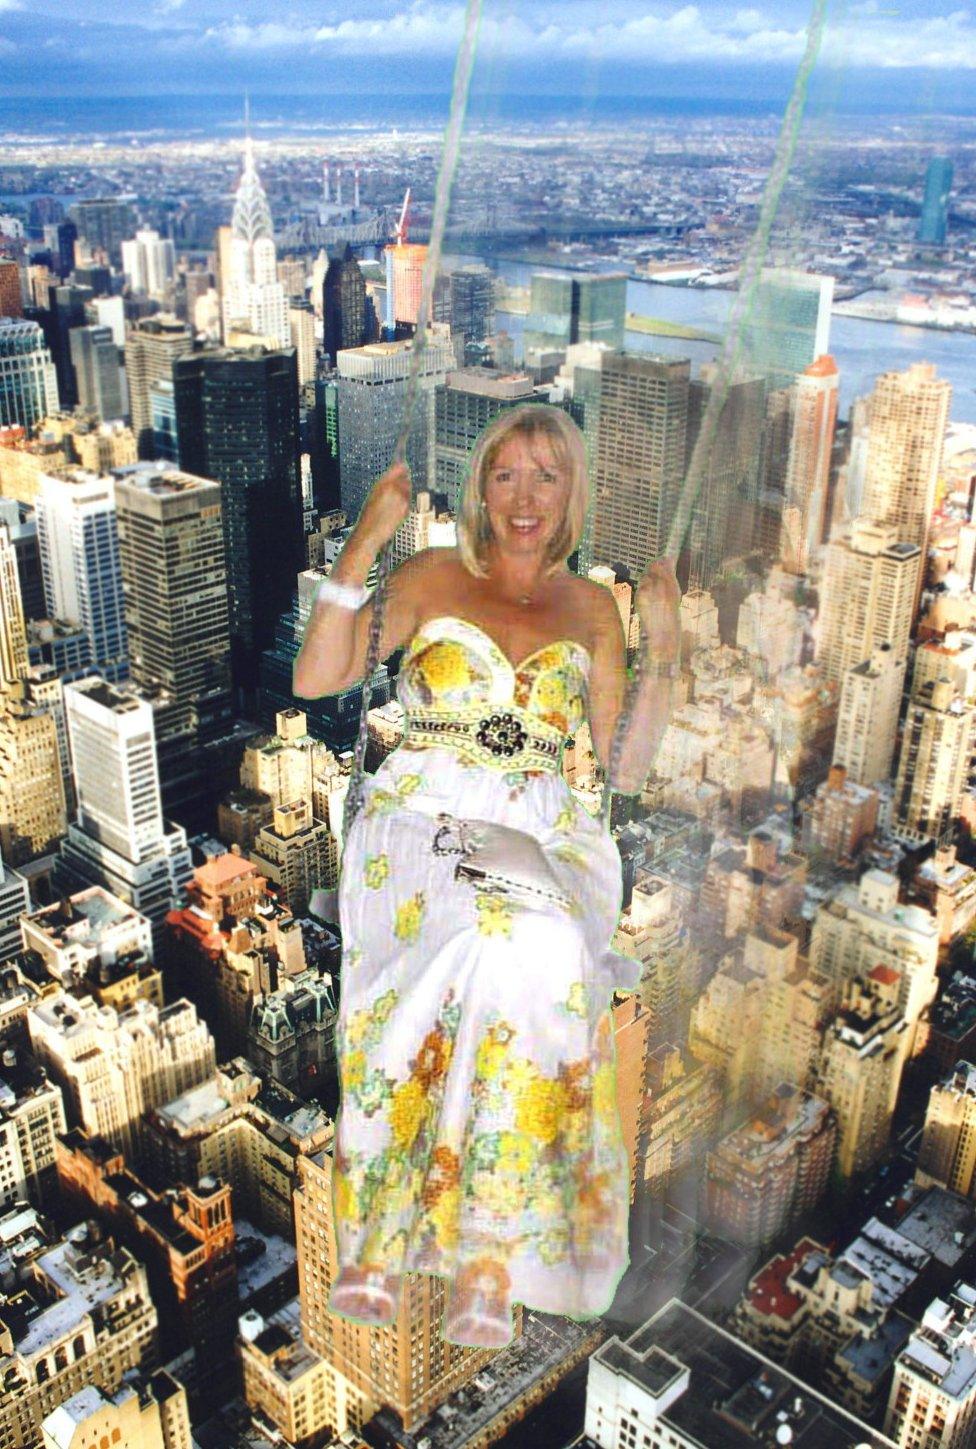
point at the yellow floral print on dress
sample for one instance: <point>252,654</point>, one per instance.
<point>376,870</point>
<point>445,665</point>
<point>540,1108</point>
<point>409,915</point>
<point>566,818</point>
<point>406,1111</point>
<point>577,999</point>
<point>494,914</point>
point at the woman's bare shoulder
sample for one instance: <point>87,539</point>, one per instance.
<point>428,570</point>
<point>595,602</point>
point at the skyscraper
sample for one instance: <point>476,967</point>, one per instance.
<point>32,799</point>
<point>372,390</point>
<point>343,304</point>
<point>787,324</point>
<point>407,261</point>
<point>120,839</point>
<point>471,303</point>
<point>254,300</point>
<point>98,377</point>
<point>567,310</point>
<point>907,415</point>
<point>11,297</point>
<point>237,419</point>
<point>866,596</point>
<point>725,518</point>
<point>301,323</point>
<point>464,405</point>
<point>66,308</point>
<point>867,717</point>
<point>808,467</point>
<point>150,348</point>
<point>28,381</point>
<point>67,235</point>
<point>947,1152</point>
<point>103,224</point>
<point>115,1065</point>
<point>935,203</point>
<point>149,263</point>
<point>861,1070</point>
<point>640,456</point>
<point>174,580</point>
<point>407,1364</point>
<point>933,765</point>
<point>77,535</point>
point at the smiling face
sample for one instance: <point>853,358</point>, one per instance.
<point>525,492</point>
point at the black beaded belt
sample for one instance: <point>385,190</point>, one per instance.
<point>503,738</point>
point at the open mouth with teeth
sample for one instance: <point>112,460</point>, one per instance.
<point>525,525</point>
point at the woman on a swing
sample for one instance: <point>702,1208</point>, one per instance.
<point>478,1134</point>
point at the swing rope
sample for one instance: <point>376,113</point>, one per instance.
<point>442,194</point>
<point>727,362</point>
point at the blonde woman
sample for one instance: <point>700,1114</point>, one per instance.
<point>478,1136</point>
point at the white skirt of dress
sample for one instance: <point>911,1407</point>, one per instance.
<point>478,1124</point>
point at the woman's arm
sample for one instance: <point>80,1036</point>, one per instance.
<point>333,652</point>
<point>642,698</point>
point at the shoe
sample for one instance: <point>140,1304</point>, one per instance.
<point>366,1295</point>
<point>478,1312</point>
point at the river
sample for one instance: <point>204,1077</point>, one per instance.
<point>861,349</point>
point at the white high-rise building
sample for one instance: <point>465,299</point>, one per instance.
<point>933,1389</point>
<point>907,416</point>
<point>77,537</point>
<point>867,718</point>
<point>120,839</point>
<point>149,263</point>
<point>254,301</point>
<point>867,595</point>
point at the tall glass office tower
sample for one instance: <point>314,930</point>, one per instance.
<point>787,324</point>
<point>935,203</point>
<point>28,381</point>
<point>237,423</point>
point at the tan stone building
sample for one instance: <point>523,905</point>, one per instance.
<point>113,1067</point>
<point>284,1379</point>
<point>406,1364</point>
<point>148,1412</point>
<point>248,1132</point>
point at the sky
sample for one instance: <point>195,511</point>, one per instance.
<point>922,54</point>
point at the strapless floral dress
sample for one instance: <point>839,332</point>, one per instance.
<point>478,1121</point>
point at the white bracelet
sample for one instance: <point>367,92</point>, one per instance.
<point>347,596</point>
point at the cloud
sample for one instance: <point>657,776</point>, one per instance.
<point>872,36</point>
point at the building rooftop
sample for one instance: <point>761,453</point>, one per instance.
<point>65,1285</point>
<point>943,1351</point>
<point>735,1398</point>
<point>787,1116</point>
<point>769,1292</point>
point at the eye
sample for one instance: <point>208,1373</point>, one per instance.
<point>547,477</point>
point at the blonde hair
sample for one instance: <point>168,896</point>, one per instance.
<point>530,421</point>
